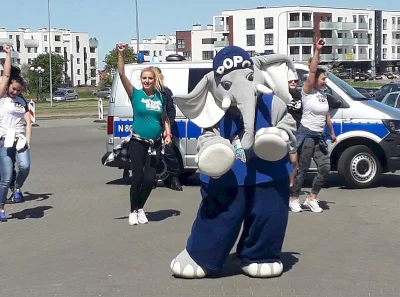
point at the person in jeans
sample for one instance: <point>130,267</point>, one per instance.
<point>295,109</point>
<point>310,135</point>
<point>15,133</point>
<point>148,105</point>
<point>170,156</point>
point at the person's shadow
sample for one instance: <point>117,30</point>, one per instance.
<point>30,213</point>
<point>157,216</point>
<point>38,197</point>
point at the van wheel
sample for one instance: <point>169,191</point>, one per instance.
<point>162,171</point>
<point>359,167</point>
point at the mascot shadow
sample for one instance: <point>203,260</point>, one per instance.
<point>232,267</point>
<point>30,213</point>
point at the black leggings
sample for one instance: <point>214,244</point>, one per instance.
<point>143,173</point>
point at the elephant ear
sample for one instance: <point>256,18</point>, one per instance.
<point>275,71</point>
<point>200,106</point>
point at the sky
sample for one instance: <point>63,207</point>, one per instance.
<point>112,22</point>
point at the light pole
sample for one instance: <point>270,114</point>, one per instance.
<point>137,29</point>
<point>39,72</point>
<point>50,68</point>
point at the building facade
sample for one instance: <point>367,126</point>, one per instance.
<point>156,49</point>
<point>78,48</point>
<point>358,38</point>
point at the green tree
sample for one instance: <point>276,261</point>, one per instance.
<point>106,81</point>
<point>111,59</point>
<point>42,60</point>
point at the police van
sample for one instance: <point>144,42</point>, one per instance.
<point>368,132</point>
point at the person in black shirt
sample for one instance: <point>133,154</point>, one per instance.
<point>169,151</point>
<point>296,110</point>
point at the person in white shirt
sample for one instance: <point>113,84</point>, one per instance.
<point>310,135</point>
<point>15,133</point>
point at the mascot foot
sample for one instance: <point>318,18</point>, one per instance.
<point>185,267</point>
<point>271,144</point>
<point>216,158</point>
<point>263,270</point>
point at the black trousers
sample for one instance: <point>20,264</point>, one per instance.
<point>171,160</point>
<point>143,168</point>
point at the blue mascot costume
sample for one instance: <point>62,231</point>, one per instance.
<point>243,162</point>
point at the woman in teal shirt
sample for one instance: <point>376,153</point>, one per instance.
<point>148,105</point>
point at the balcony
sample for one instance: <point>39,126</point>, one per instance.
<point>6,41</point>
<point>363,57</point>
<point>344,26</point>
<point>221,28</point>
<point>221,43</point>
<point>300,40</point>
<point>362,26</point>
<point>14,55</point>
<point>395,41</point>
<point>300,58</point>
<point>31,43</point>
<point>93,42</point>
<point>326,57</point>
<point>170,47</point>
<point>346,41</point>
<point>302,24</point>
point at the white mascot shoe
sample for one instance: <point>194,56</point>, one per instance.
<point>271,144</point>
<point>215,160</point>
<point>184,266</point>
<point>263,270</point>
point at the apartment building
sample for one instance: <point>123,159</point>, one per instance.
<point>198,43</point>
<point>156,49</point>
<point>80,50</point>
<point>358,38</point>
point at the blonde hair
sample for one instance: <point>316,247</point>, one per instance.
<point>158,78</point>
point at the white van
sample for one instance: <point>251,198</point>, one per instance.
<point>368,132</point>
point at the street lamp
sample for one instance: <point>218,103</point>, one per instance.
<point>137,31</point>
<point>39,72</point>
<point>51,74</point>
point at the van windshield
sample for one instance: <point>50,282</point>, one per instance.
<point>349,90</point>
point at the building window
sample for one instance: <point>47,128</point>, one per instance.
<point>93,72</point>
<point>92,62</point>
<point>78,60</point>
<point>370,53</point>
<point>250,24</point>
<point>93,82</point>
<point>340,51</point>
<point>57,38</point>
<point>208,55</point>
<point>46,49</point>
<point>29,49</point>
<point>294,17</point>
<point>251,53</point>
<point>78,71</point>
<point>269,23</point>
<point>385,53</point>
<point>370,24</point>
<point>384,38</point>
<point>160,53</point>
<point>384,24</point>
<point>355,35</point>
<point>181,43</point>
<point>251,40</point>
<point>354,19</point>
<point>154,53</point>
<point>29,61</point>
<point>306,50</point>
<point>208,40</point>
<point>393,49</point>
<point>369,38</point>
<point>92,50</point>
<point>340,19</point>
<point>57,49</point>
<point>79,82</point>
<point>294,50</point>
<point>45,38</point>
<point>340,35</point>
<point>268,39</point>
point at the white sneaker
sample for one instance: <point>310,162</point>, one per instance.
<point>142,217</point>
<point>133,218</point>
<point>294,205</point>
<point>313,205</point>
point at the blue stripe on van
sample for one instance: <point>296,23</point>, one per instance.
<point>181,125</point>
<point>193,131</point>
<point>378,129</point>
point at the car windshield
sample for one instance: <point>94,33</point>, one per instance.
<point>349,90</point>
<point>59,93</point>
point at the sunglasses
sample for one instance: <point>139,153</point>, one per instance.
<point>293,81</point>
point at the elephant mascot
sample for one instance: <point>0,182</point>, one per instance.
<point>244,165</point>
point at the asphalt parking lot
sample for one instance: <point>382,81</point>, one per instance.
<point>71,236</point>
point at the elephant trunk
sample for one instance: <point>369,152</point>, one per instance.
<point>248,113</point>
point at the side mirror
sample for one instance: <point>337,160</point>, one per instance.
<point>333,102</point>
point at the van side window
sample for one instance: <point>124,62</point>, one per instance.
<point>195,75</point>
<point>391,100</point>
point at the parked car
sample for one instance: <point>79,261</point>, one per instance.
<point>378,76</point>
<point>372,91</point>
<point>64,95</point>
<point>389,75</point>
<point>385,89</point>
<point>102,93</point>
<point>392,99</point>
<point>363,92</point>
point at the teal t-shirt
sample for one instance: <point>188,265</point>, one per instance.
<point>147,114</point>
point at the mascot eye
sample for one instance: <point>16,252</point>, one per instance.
<point>250,77</point>
<point>226,85</point>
